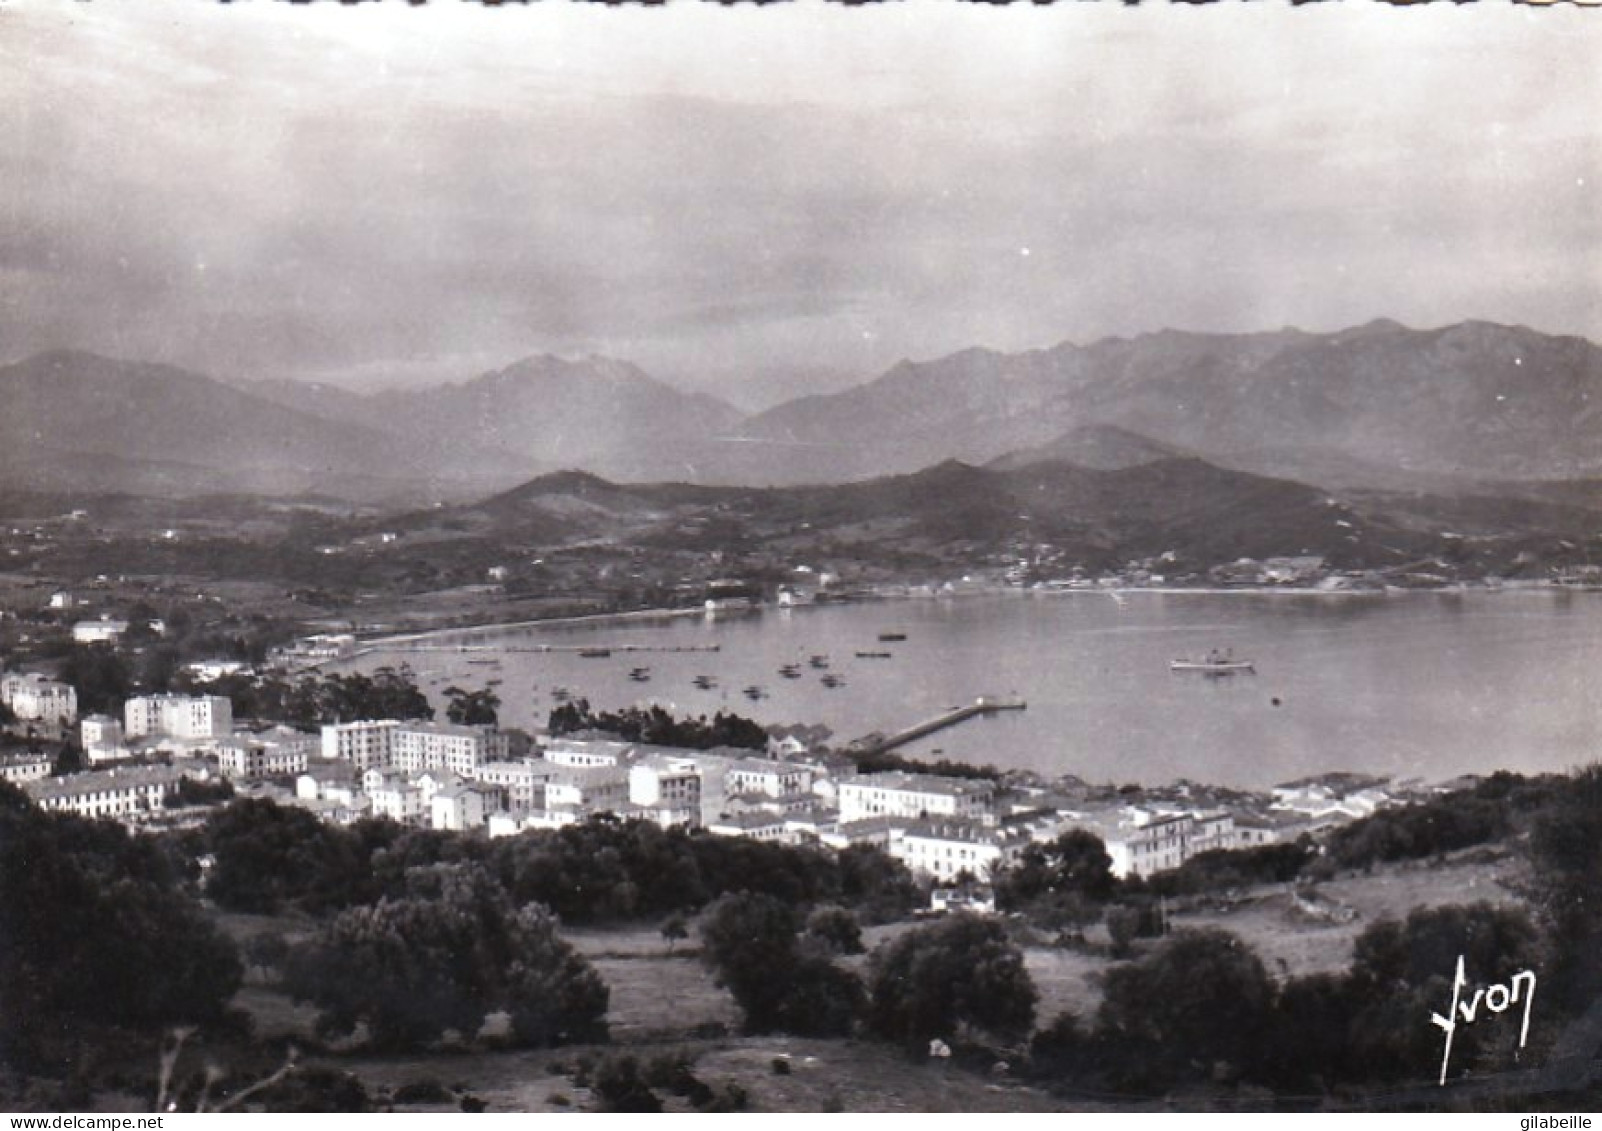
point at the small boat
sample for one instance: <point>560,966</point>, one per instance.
<point>1212,665</point>
<point>595,653</point>
<point>832,681</point>
<point>790,671</point>
<point>873,655</point>
<point>819,661</point>
<point>704,682</point>
<point>495,663</point>
<point>640,675</point>
<point>891,637</point>
<point>754,692</point>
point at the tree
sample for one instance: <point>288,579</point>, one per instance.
<point>746,940</point>
<point>959,974</point>
<point>675,928</point>
<point>100,676</point>
<point>752,944</point>
<point>1566,850</point>
<point>1402,971</point>
<point>442,958</point>
<point>836,929</point>
<point>1068,876</point>
<point>473,708</point>
<point>1197,1003</point>
<point>875,884</point>
<point>267,855</point>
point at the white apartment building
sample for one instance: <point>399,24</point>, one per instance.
<point>667,783</point>
<point>594,789</point>
<point>754,826</point>
<point>1141,844</point>
<point>364,743</point>
<point>523,782</point>
<point>328,781</point>
<point>21,768</point>
<point>915,796</point>
<point>179,716</point>
<point>463,806</point>
<point>34,698</point>
<point>415,747</point>
<point>101,736</point>
<point>586,752</point>
<point>944,850</point>
<point>768,776</point>
<point>393,796</point>
<point>243,757</point>
<point>125,794</point>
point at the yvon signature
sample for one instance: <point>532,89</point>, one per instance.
<point>1498,998</point>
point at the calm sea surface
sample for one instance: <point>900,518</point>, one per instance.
<point>1405,684</point>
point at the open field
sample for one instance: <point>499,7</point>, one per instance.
<point>1292,943</point>
<point>664,1000</point>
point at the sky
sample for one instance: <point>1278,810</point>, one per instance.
<point>766,201</point>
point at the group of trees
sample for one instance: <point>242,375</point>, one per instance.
<point>441,958</point>
<point>311,701</point>
<point>99,934</point>
<point>657,727</point>
<point>480,707</point>
<point>269,857</point>
<point>1202,1009</point>
<point>958,980</point>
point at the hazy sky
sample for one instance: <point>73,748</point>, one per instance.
<point>387,193</point>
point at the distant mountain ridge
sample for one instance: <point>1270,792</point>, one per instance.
<point>1186,512</point>
<point>1475,400</point>
<point>1460,409</point>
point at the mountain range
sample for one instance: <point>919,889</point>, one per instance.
<point>1473,408</point>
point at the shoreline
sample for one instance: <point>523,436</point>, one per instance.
<point>1119,592</point>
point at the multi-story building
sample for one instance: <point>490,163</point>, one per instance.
<point>466,806</point>
<point>523,782</point>
<point>364,743</point>
<point>328,781</point>
<point>21,768</point>
<point>1141,844</point>
<point>593,789</point>
<point>247,757</point>
<point>768,776</point>
<point>916,796</point>
<point>754,826</point>
<point>945,850</point>
<point>393,796</point>
<point>666,783</point>
<point>187,717</point>
<point>586,752</point>
<point>124,794</point>
<point>419,746</point>
<point>101,736</point>
<point>34,698</point>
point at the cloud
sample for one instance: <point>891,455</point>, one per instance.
<point>369,192</point>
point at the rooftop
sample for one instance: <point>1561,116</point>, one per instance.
<point>920,783</point>
<point>130,777</point>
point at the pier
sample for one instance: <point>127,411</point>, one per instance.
<point>496,649</point>
<point>984,705</point>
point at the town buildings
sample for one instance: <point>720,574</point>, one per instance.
<point>130,794</point>
<point>35,698</point>
<point>184,717</point>
<point>103,631</point>
<point>916,796</point>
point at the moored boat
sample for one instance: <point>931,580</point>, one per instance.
<point>1213,665</point>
